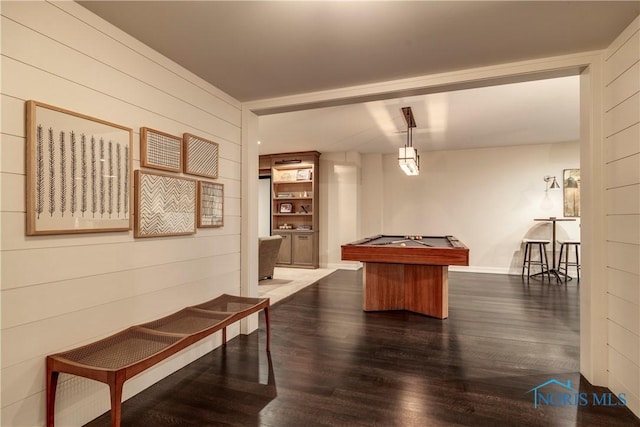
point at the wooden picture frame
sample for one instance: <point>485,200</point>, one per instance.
<point>210,204</point>
<point>78,172</point>
<point>303,174</point>
<point>200,156</point>
<point>165,205</point>
<point>286,207</point>
<point>571,193</point>
<point>160,150</point>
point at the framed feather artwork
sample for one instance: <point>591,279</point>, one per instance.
<point>78,172</point>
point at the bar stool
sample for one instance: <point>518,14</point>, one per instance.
<point>563,265</point>
<point>543,261</point>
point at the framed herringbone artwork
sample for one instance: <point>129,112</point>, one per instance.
<point>160,150</point>
<point>78,172</point>
<point>165,205</point>
<point>200,156</point>
<point>210,204</point>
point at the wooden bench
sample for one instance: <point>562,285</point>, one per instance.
<point>115,359</point>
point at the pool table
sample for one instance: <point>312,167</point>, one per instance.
<point>407,272</point>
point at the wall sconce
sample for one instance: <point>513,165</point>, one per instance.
<point>408,157</point>
<point>554,183</point>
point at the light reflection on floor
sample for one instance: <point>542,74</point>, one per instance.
<point>287,281</point>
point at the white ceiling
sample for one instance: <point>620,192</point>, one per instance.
<point>542,111</point>
<point>260,49</point>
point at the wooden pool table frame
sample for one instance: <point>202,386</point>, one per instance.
<point>413,278</point>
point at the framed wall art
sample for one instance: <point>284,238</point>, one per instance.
<point>200,156</point>
<point>78,172</point>
<point>210,204</point>
<point>160,150</point>
<point>286,207</point>
<point>303,175</point>
<point>571,192</point>
<point>165,205</point>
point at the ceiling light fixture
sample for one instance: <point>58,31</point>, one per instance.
<point>408,157</point>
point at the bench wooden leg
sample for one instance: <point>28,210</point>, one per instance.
<point>268,328</point>
<point>115,389</point>
<point>224,336</point>
<point>52,383</point>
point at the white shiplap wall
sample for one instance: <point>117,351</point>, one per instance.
<point>622,189</point>
<point>61,291</point>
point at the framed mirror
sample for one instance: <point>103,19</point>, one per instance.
<point>571,192</point>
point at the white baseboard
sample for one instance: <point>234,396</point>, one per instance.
<point>347,265</point>
<point>480,269</point>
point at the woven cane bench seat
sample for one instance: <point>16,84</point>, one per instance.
<point>120,350</point>
<point>188,321</point>
<point>115,359</point>
<point>230,304</point>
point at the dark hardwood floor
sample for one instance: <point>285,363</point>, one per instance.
<point>331,364</point>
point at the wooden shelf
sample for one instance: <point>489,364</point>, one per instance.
<point>294,182</point>
<point>300,248</point>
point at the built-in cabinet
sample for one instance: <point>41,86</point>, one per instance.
<point>294,210</point>
<point>298,249</point>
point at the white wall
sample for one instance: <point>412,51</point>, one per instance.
<point>372,194</point>
<point>61,291</point>
<point>264,207</point>
<point>622,209</point>
<point>340,213</point>
<point>488,198</point>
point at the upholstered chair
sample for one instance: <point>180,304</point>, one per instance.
<point>268,249</point>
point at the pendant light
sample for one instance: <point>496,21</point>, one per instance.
<point>408,157</point>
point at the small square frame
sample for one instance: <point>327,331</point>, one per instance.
<point>210,204</point>
<point>160,150</point>
<point>286,207</point>
<point>200,156</point>
<point>303,174</point>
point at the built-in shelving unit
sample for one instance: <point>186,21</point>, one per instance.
<point>295,207</point>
